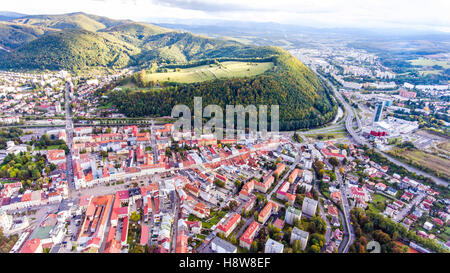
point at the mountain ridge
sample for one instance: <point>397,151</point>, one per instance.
<point>122,42</point>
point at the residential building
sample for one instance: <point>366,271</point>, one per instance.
<point>309,206</point>
<point>301,235</point>
<point>292,215</point>
<point>273,246</point>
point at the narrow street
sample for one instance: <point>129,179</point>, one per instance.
<point>175,224</point>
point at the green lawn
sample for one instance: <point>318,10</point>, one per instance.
<point>52,147</point>
<point>107,106</point>
<point>201,236</point>
<point>214,218</point>
<point>379,198</point>
<point>328,135</point>
<point>378,202</point>
<point>445,236</point>
<point>211,72</point>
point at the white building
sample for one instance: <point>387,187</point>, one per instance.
<point>292,215</point>
<point>301,235</point>
<point>6,220</point>
<point>428,226</point>
<point>273,246</point>
<point>309,206</point>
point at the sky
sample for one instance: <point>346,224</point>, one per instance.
<point>413,14</point>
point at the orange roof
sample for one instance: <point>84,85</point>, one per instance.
<point>230,222</point>
<point>54,155</point>
<point>31,246</point>
<point>267,210</point>
<point>250,232</point>
<point>295,173</point>
<point>182,243</point>
<point>95,203</point>
<point>332,210</point>
<point>89,177</point>
<point>26,197</point>
<point>336,195</point>
<point>280,169</point>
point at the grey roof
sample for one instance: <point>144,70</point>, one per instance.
<point>300,233</point>
<point>224,244</point>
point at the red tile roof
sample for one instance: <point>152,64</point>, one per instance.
<point>31,246</point>
<point>250,232</point>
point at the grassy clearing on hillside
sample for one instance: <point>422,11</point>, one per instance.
<point>211,72</point>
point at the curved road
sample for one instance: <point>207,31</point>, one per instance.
<point>349,126</point>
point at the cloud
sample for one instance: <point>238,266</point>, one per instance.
<point>323,13</point>
<point>207,6</point>
<point>222,6</point>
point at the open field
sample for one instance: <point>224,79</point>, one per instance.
<point>337,133</point>
<point>211,72</point>
<point>429,162</point>
<point>445,146</point>
<point>429,62</point>
<point>428,72</point>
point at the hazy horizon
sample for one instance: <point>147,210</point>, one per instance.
<point>414,15</point>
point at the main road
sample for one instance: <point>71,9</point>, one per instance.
<point>349,234</point>
<point>350,116</point>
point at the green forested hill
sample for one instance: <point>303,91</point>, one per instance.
<point>135,33</point>
<point>303,101</point>
<point>13,35</point>
<point>78,42</point>
<point>72,49</point>
<point>77,20</point>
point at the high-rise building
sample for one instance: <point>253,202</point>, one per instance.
<point>301,235</point>
<point>58,108</point>
<point>292,215</point>
<point>378,112</point>
<point>309,206</point>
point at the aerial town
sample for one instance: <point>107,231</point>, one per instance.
<point>93,160</point>
<point>147,188</point>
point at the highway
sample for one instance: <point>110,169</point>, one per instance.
<point>349,234</point>
<point>350,116</point>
